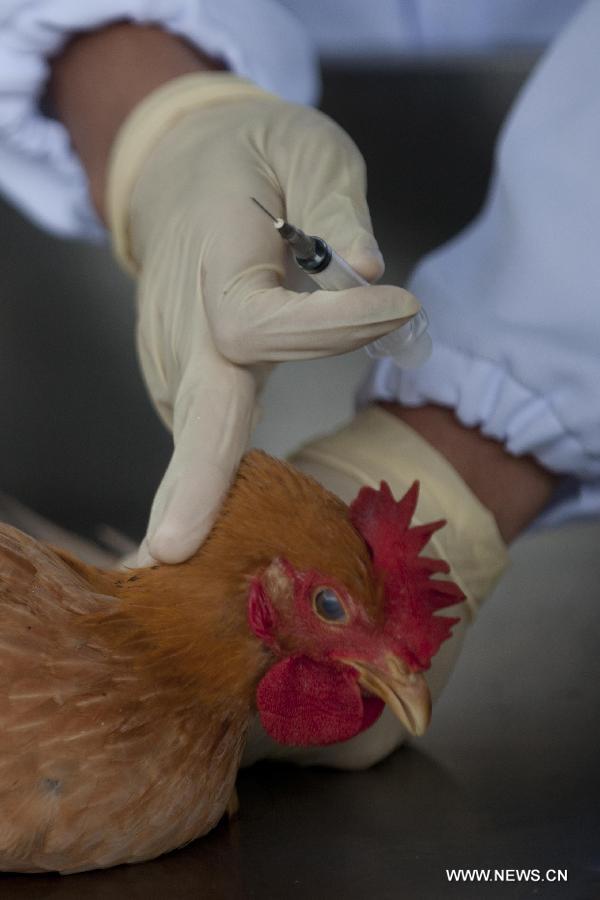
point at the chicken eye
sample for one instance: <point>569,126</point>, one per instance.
<point>328,605</point>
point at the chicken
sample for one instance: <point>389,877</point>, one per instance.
<point>125,697</point>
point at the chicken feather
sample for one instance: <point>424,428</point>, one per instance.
<point>78,731</point>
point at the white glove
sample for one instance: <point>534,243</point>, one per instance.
<point>212,312</point>
<point>374,447</point>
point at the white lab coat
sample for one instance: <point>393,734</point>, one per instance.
<point>514,301</point>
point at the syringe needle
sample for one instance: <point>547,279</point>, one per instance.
<point>303,246</point>
<point>271,216</point>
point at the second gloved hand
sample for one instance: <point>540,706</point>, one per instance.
<point>377,446</point>
<point>213,314</point>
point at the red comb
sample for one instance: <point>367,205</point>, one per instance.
<point>412,596</point>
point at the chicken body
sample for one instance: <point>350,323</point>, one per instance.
<point>102,760</point>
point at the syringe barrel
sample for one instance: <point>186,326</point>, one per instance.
<point>337,276</point>
<point>409,345</point>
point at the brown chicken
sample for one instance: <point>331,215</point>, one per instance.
<point>125,697</point>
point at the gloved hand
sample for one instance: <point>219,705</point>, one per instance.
<point>375,447</point>
<point>212,312</point>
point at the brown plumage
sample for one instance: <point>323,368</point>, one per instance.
<point>125,697</point>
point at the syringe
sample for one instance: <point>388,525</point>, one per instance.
<point>408,346</point>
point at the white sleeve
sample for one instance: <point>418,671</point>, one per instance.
<point>349,29</point>
<point>39,172</point>
<point>514,300</point>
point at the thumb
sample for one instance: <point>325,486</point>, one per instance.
<point>212,422</point>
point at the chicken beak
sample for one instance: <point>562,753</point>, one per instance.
<point>405,692</point>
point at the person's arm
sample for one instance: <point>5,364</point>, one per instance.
<point>101,76</point>
<point>514,489</point>
<point>174,153</point>
<point>512,299</point>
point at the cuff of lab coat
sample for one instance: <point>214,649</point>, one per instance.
<point>485,395</point>
<point>39,172</point>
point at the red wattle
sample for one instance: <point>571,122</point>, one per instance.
<point>372,709</point>
<point>306,703</point>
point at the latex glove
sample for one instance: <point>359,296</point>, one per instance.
<point>377,446</point>
<point>212,311</point>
